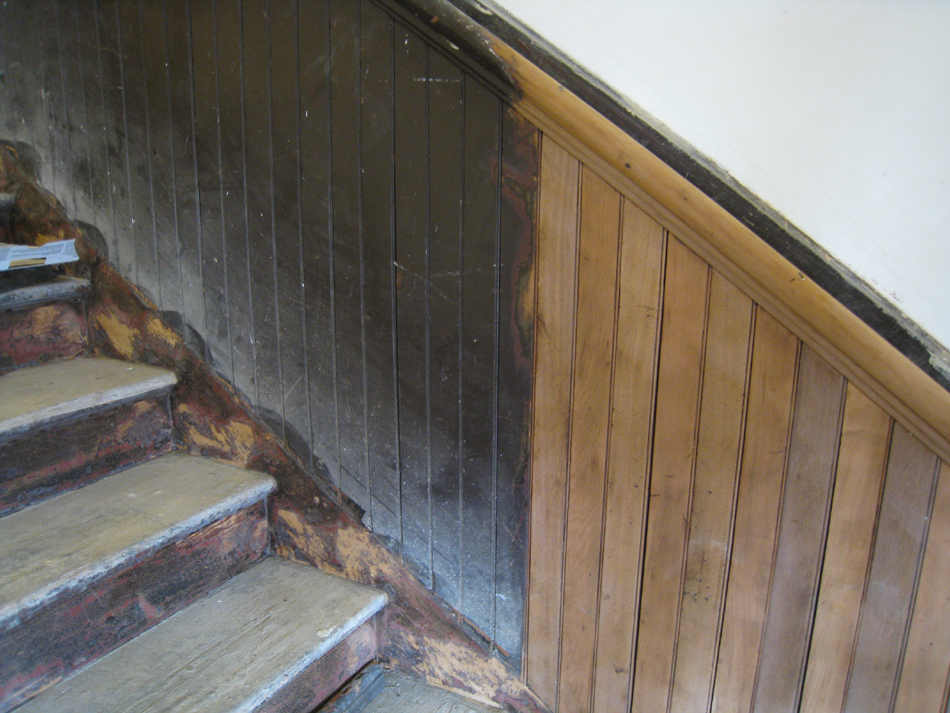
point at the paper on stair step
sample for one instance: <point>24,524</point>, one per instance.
<point>15,257</point>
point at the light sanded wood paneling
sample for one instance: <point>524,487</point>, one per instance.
<point>661,190</point>
<point>771,387</point>
<point>554,344</point>
<point>728,342</point>
<point>901,531</point>
<point>813,452</point>
<point>594,335</point>
<point>865,435</point>
<point>629,457</point>
<point>923,681</point>
<point>674,443</point>
<point>744,529</point>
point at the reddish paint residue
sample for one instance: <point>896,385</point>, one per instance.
<point>86,625</point>
<point>41,334</point>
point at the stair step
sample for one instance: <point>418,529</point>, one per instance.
<point>41,395</point>
<point>402,694</point>
<point>70,541</point>
<point>42,323</point>
<point>231,651</point>
<point>56,290</point>
<point>87,571</point>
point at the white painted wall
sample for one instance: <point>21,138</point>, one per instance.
<point>836,112</point>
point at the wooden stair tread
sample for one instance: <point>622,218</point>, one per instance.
<point>402,694</point>
<point>36,396</point>
<point>67,542</point>
<point>55,290</point>
<point>230,651</point>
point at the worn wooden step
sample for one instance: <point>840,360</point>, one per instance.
<point>401,694</point>
<point>60,288</point>
<point>88,570</point>
<point>42,322</point>
<point>39,396</point>
<point>46,448</point>
<point>272,638</point>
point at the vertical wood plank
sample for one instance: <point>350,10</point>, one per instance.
<point>923,678</point>
<point>445,293</point>
<point>145,268</point>
<point>99,198</point>
<point>9,125</point>
<point>38,64</point>
<point>482,134</point>
<point>901,532</point>
<point>113,113</point>
<point>813,452</point>
<point>768,415</point>
<point>862,458</point>
<point>596,304</point>
<point>376,139</point>
<point>259,207</point>
<point>208,179</point>
<point>161,188</point>
<point>315,162</point>
<point>514,319</point>
<point>178,38</point>
<point>554,342</point>
<point>628,460</point>
<point>74,84</point>
<point>282,21</point>
<point>18,21</point>
<point>347,246</point>
<point>57,106</point>
<point>677,399</point>
<point>233,194</point>
<point>721,425</point>
<point>412,234</point>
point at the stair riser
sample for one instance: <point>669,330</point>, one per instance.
<point>80,628</point>
<point>67,455</point>
<point>323,678</point>
<point>41,334</point>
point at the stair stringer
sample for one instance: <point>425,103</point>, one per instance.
<point>418,634</point>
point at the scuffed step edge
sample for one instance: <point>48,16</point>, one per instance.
<point>296,602</point>
<point>59,289</point>
<point>13,613</point>
<point>87,624</point>
<point>41,418</point>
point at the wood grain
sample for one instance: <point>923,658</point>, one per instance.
<point>77,628</point>
<point>596,305</point>
<point>326,675</point>
<point>771,388</point>
<point>721,427</point>
<point>833,331</point>
<point>266,603</point>
<point>678,388</point>
<point>629,455</point>
<point>901,531</point>
<point>554,344</point>
<point>923,678</point>
<point>813,452</point>
<point>862,457</point>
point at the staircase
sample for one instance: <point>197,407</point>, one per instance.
<point>132,577</point>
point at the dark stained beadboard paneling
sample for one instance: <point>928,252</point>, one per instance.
<point>338,213</point>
